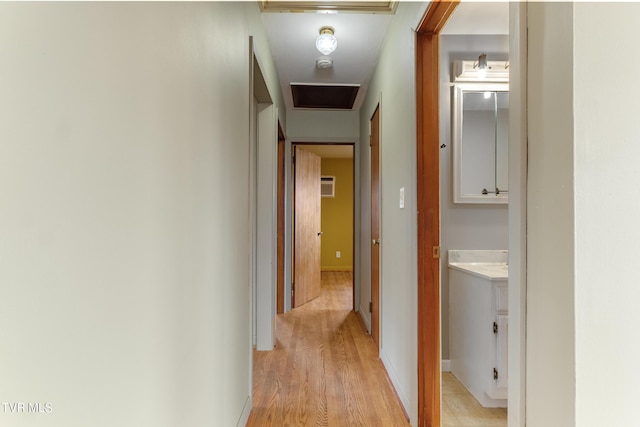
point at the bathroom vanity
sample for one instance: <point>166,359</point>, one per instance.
<point>478,322</point>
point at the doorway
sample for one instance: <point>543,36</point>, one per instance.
<point>336,200</point>
<point>429,227</point>
<point>474,367</point>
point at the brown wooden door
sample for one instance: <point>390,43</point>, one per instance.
<point>306,228</point>
<point>280,227</point>
<point>375,227</point>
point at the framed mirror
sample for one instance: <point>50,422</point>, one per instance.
<point>480,134</point>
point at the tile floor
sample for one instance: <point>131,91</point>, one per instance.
<point>461,409</point>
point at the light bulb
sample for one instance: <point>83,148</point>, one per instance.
<point>482,66</point>
<point>326,42</point>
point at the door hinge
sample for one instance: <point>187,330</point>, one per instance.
<point>495,328</point>
<point>370,307</point>
<point>436,251</point>
<point>293,287</point>
<point>495,374</point>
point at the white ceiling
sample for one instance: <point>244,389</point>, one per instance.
<point>360,37</point>
<point>292,38</point>
<point>473,17</point>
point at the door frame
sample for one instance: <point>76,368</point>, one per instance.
<point>375,296</point>
<point>289,228</point>
<point>517,213</point>
<point>428,198</point>
<point>263,135</point>
<point>427,143</point>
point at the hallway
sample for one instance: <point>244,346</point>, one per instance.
<point>324,370</point>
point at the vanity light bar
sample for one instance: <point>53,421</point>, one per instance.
<point>467,71</point>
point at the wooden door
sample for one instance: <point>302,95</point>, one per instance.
<point>375,226</point>
<point>306,265</point>
<point>280,226</point>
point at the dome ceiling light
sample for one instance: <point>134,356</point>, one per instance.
<point>326,41</point>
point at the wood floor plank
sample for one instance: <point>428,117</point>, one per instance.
<point>324,370</point>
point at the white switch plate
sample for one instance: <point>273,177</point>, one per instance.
<point>401,197</point>
<point>338,255</point>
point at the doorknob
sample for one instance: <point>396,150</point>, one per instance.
<point>376,241</point>
<point>320,233</point>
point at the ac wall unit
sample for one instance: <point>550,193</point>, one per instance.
<point>328,186</point>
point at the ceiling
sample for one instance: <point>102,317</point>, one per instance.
<point>293,26</point>
<point>476,18</point>
<point>292,38</point>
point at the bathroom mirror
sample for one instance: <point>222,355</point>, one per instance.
<point>480,134</point>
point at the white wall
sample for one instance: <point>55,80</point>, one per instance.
<point>123,234</point>
<point>607,242</point>
<point>393,85</point>
<point>464,226</point>
<point>322,126</point>
<point>551,280</point>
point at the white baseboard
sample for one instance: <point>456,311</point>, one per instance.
<point>393,376</point>
<point>366,318</point>
<point>244,416</point>
<point>446,365</point>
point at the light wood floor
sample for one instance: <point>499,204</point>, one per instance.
<point>324,370</point>
<point>461,409</point>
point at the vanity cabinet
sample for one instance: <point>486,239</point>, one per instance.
<point>478,330</point>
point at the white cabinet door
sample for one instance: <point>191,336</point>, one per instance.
<point>502,321</point>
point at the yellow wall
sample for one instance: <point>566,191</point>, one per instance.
<point>337,216</point>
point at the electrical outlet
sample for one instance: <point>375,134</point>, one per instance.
<point>338,255</point>
<point>402,198</point>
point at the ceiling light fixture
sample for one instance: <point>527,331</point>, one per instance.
<point>326,41</point>
<point>469,71</point>
<point>482,66</point>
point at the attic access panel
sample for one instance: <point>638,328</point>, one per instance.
<point>341,97</point>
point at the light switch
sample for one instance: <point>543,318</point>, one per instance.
<point>338,255</point>
<point>402,198</point>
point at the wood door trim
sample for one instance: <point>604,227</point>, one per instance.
<point>353,228</point>
<point>437,16</point>
<point>428,193</point>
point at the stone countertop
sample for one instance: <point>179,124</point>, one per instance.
<point>496,271</point>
